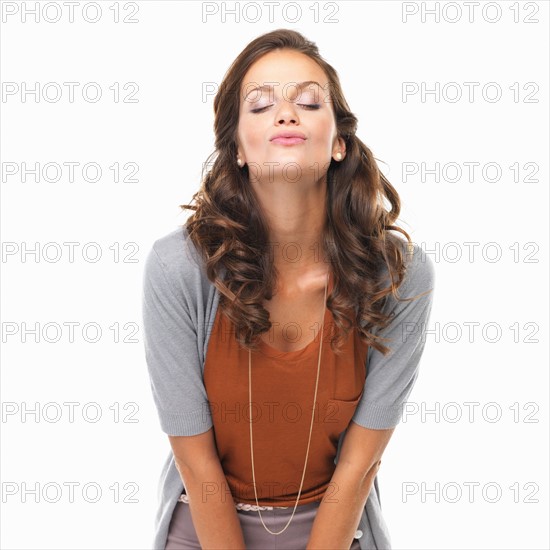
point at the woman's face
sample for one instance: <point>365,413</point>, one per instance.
<point>281,106</point>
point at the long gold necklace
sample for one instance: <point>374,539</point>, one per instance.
<point>310,428</point>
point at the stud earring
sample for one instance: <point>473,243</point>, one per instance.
<point>239,162</point>
<point>338,156</point>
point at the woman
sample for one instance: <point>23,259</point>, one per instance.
<point>264,320</point>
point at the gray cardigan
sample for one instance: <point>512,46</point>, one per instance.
<point>179,306</point>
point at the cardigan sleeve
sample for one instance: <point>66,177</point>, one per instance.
<point>171,350</point>
<point>390,379</point>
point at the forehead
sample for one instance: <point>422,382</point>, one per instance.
<point>283,67</point>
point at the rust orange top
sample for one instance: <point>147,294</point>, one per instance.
<point>283,387</point>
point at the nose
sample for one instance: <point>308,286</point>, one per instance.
<point>287,113</point>
<point>289,119</point>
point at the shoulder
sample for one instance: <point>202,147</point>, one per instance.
<point>415,293</point>
<point>175,249</point>
<point>174,256</point>
<point>420,270</point>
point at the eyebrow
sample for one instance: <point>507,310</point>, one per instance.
<point>299,85</point>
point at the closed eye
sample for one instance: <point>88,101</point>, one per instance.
<point>311,107</point>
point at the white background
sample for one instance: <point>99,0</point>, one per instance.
<point>170,52</point>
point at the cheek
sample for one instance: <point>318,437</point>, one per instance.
<point>256,139</point>
<point>250,135</point>
<point>324,133</point>
<point>323,142</point>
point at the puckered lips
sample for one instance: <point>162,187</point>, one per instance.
<point>288,137</point>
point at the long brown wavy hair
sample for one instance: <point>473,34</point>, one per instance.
<point>228,230</point>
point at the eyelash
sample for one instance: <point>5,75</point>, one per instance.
<point>312,107</point>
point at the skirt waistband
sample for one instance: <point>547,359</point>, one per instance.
<point>239,505</point>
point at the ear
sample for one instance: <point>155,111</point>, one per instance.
<point>240,155</point>
<point>339,147</point>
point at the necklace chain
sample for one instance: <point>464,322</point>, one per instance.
<point>310,428</point>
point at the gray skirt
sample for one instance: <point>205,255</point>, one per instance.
<point>182,534</point>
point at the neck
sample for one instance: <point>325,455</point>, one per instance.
<point>296,216</point>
